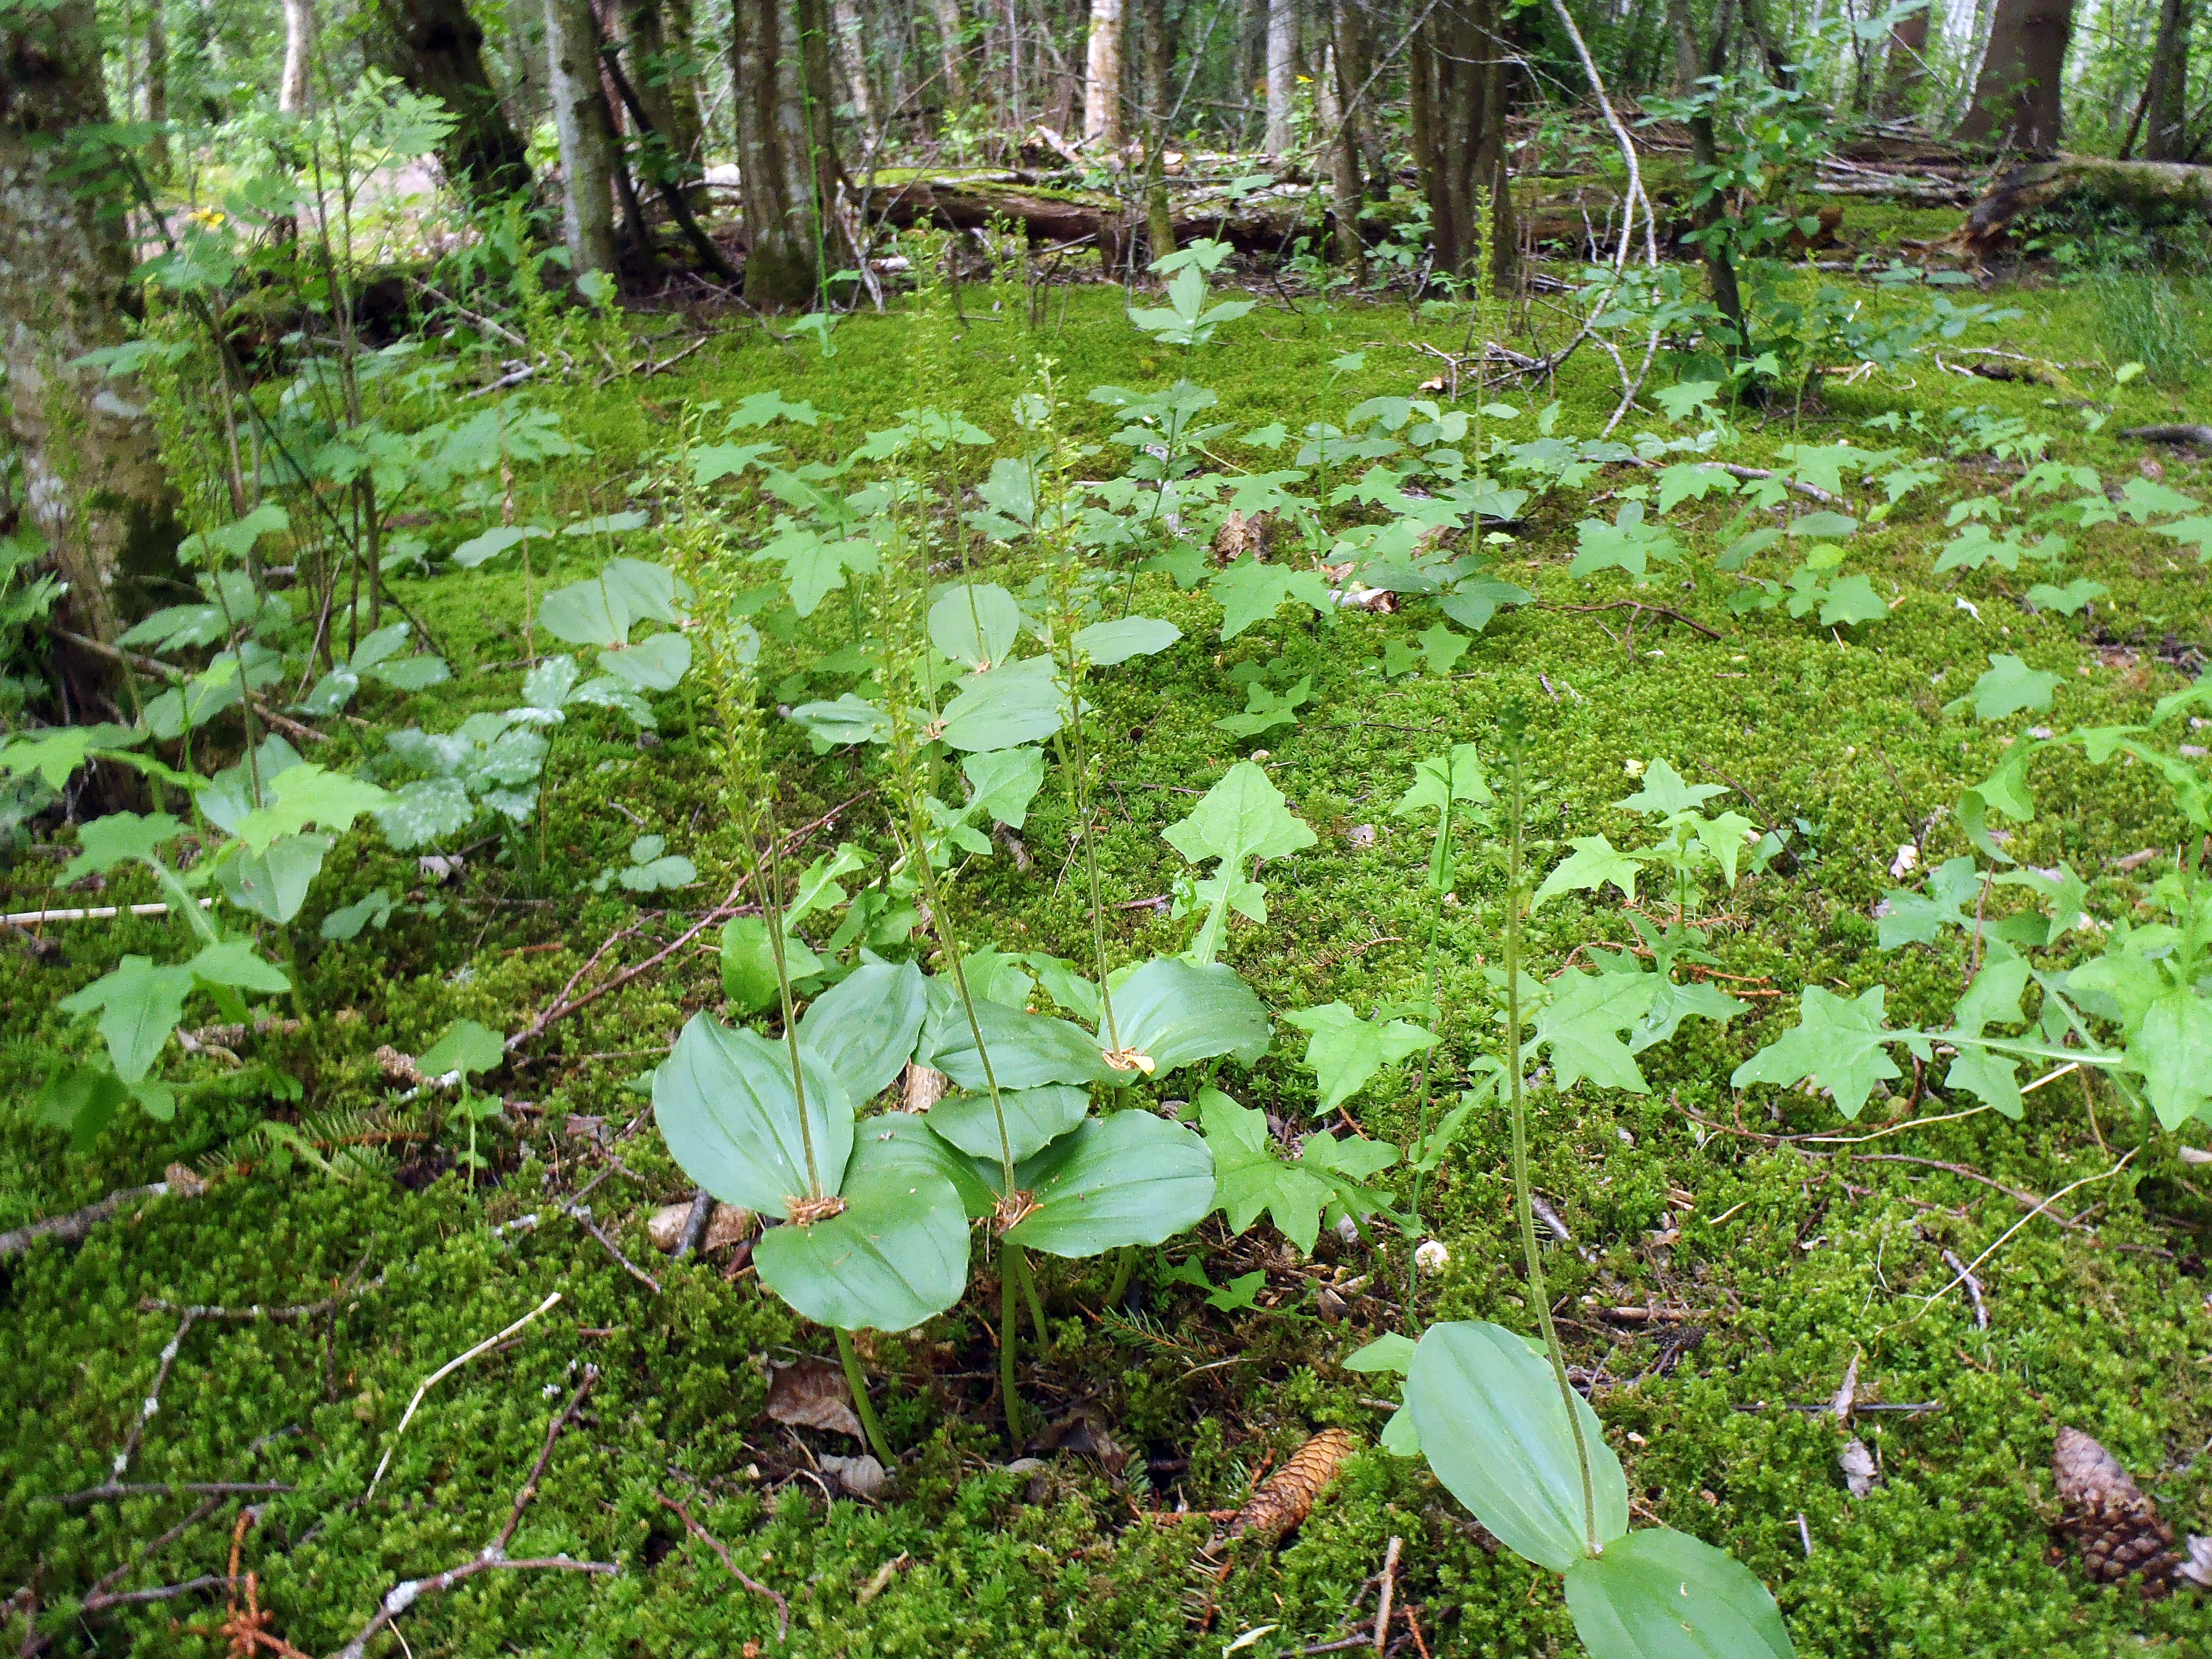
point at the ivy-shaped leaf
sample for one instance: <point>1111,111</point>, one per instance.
<point>1839,1044</point>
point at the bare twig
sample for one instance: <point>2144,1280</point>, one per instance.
<point>69,1229</point>
<point>439,1376</point>
<point>1389,1591</point>
<point>782,1606</point>
<point>1973,1290</point>
<point>111,1491</point>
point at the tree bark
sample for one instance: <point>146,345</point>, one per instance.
<point>657,36</point>
<point>953,51</point>
<point>157,92</point>
<point>1102,75</point>
<point>788,161</point>
<point>2017,94</point>
<point>2165,106</point>
<point>295,90</point>
<point>1347,196</point>
<point>2148,188</point>
<point>1704,154</point>
<point>587,134</point>
<point>436,47</point>
<point>1282,74</point>
<point>852,64</point>
<point>94,486</point>
<point>1354,62</point>
<point>1906,70</point>
<point>1457,79</point>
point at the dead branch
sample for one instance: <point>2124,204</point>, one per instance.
<point>782,1606</point>
<point>70,1229</point>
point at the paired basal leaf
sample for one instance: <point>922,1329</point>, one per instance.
<point>1659,1593</point>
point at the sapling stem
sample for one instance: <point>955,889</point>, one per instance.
<point>1516,1064</point>
<point>1124,1260</point>
<point>858,1383</point>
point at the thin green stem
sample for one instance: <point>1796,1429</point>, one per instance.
<point>1007,1332</point>
<point>1516,1061</point>
<point>1125,1260</point>
<point>1018,1259</point>
<point>1416,1149</point>
<point>858,1383</point>
<point>772,912</point>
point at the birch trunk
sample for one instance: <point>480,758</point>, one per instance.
<point>1282,73</point>
<point>93,483</point>
<point>296,89</point>
<point>587,134</point>
<point>1102,75</point>
<point>853,63</point>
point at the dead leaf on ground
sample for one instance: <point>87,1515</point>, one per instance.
<point>810,1393</point>
<point>1858,1465</point>
<point>861,1476</point>
<point>1084,1433</point>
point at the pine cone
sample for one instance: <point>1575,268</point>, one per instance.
<point>1286,1496</point>
<point>2118,1528</point>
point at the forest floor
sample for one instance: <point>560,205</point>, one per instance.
<point>1758,1269</point>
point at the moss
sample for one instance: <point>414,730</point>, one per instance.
<point>1792,1264</point>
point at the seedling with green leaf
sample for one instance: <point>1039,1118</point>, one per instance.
<point>466,1050</point>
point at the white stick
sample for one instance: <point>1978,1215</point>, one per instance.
<point>98,913</point>
<point>440,1375</point>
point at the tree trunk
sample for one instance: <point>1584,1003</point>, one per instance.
<point>94,486</point>
<point>1457,79</point>
<point>587,138</point>
<point>296,89</point>
<point>2165,106</point>
<point>1282,74</point>
<point>436,47</point>
<point>1102,75</point>
<point>853,63</point>
<point>952,49</point>
<point>1704,154</point>
<point>657,43</point>
<point>1354,64</point>
<point>157,92</point>
<point>1906,70</point>
<point>2017,94</point>
<point>1156,69</point>
<point>787,154</point>
<point>1346,197</point>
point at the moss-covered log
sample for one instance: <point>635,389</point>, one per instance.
<point>2156,192</point>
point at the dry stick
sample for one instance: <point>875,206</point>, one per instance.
<point>111,1491</point>
<point>1973,1290</point>
<point>290,728</point>
<point>1389,1590</point>
<point>101,1596</point>
<point>782,1606</point>
<point>563,1006</point>
<point>74,1226</point>
<point>1965,1274</point>
<point>94,913</point>
<point>404,1595</point>
<point>152,1403</point>
<point>439,1376</point>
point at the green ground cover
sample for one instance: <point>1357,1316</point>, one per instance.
<point>1793,1260</point>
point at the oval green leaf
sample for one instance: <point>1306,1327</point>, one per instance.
<point>1021,702</point>
<point>1129,1178</point>
<point>1107,643</point>
<point>1027,1050</point>
<point>903,1135</point>
<point>725,1106</point>
<point>865,1024</point>
<point>975,623</point>
<point>1174,1013</point>
<point>1034,1119</point>
<point>895,1255</point>
<point>1487,1410</point>
<point>1663,1594</point>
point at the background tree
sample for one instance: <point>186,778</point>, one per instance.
<point>587,134</point>
<point>436,47</point>
<point>95,487</point>
<point>1456,95</point>
<point>1906,70</point>
<point>2018,94</point>
<point>295,86</point>
<point>2165,99</point>
<point>786,152</point>
<point>1101,74</point>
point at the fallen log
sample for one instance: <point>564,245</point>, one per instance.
<point>2160,189</point>
<point>1260,223</point>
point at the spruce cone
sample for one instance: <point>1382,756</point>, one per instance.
<point>2118,1528</point>
<point>1286,1496</point>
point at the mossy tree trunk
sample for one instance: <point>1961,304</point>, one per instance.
<point>93,482</point>
<point>436,47</point>
<point>787,164</point>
